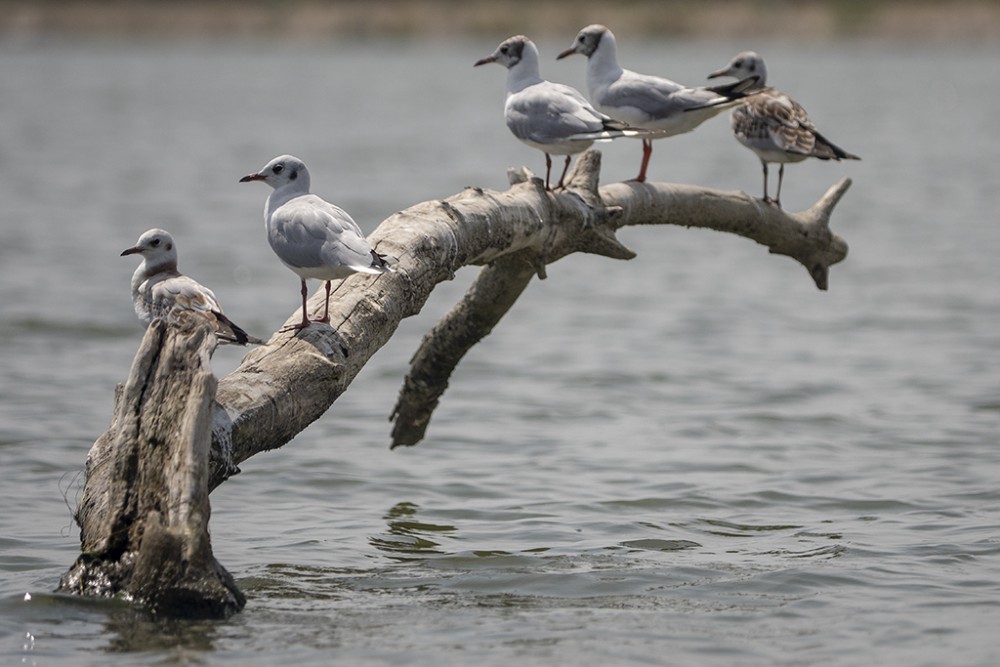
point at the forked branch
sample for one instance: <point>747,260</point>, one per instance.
<point>806,237</point>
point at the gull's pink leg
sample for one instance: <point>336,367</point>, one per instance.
<point>647,150</point>
<point>781,177</point>
<point>563,177</point>
<point>305,313</point>
<point>766,198</point>
<point>326,311</point>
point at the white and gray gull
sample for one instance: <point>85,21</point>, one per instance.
<point>160,290</point>
<point>643,101</point>
<point>773,125</point>
<point>311,236</point>
<point>552,117</point>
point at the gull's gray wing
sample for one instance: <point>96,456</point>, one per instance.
<point>654,96</point>
<point>550,113</point>
<point>309,232</point>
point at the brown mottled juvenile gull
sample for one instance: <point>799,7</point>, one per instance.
<point>773,125</point>
<point>160,290</point>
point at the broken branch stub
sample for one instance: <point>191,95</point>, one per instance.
<point>144,513</point>
<point>495,290</point>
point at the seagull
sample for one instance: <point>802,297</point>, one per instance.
<point>159,290</point>
<point>642,101</point>
<point>773,125</point>
<point>312,237</point>
<point>552,117</point>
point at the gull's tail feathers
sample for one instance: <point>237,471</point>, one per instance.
<point>228,332</point>
<point>610,134</point>
<point>730,94</point>
<point>380,264</point>
<point>827,150</point>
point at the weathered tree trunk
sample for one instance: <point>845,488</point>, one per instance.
<point>130,506</point>
<point>144,512</point>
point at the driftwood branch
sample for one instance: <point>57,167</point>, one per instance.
<point>805,237</point>
<point>495,290</point>
<point>145,508</point>
<point>506,232</point>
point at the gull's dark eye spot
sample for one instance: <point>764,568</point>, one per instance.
<point>295,174</point>
<point>278,168</point>
<point>155,243</point>
<point>170,246</point>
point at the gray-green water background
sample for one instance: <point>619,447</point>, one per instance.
<point>694,457</point>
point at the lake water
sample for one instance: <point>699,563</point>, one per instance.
<point>694,457</point>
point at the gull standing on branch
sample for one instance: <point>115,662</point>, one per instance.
<point>642,101</point>
<point>773,125</point>
<point>312,237</point>
<point>159,290</point>
<point>552,117</point>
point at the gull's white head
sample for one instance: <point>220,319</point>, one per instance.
<point>512,51</point>
<point>588,40</point>
<point>282,171</point>
<point>157,249</point>
<point>744,65</point>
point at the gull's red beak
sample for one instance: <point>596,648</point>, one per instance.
<point>252,177</point>
<point>487,59</point>
<point>568,52</point>
<point>130,251</point>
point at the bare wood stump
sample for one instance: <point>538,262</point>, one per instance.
<point>144,513</point>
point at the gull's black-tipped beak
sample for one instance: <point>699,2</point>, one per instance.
<point>719,72</point>
<point>252,177</point>
<point>485,61</point>
<point>568,52</point>
<point>130,251</point>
